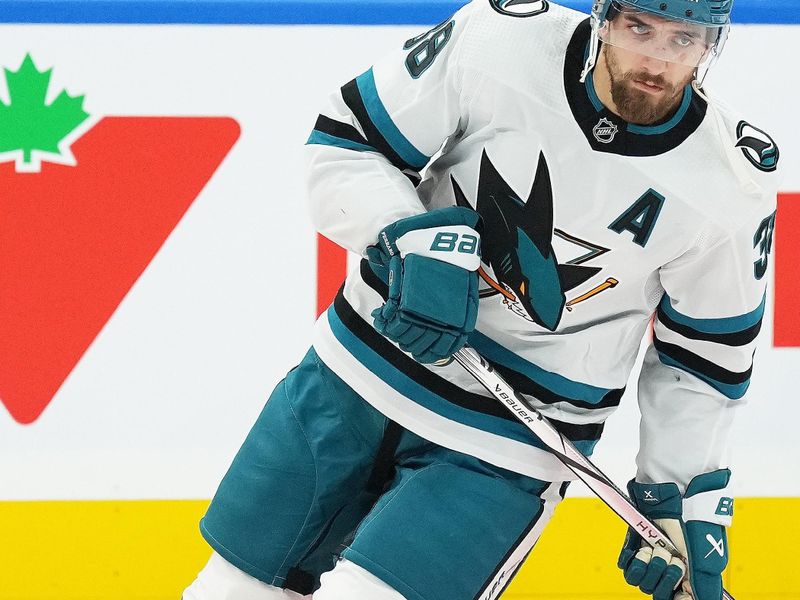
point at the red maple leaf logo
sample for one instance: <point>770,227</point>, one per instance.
<point>74,240</point>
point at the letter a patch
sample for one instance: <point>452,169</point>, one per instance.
<point>640,218</point>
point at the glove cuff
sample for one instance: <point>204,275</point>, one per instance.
<point>656,500</point>
<point>447,234</point>
<point>706,499</point>
<point>455,244</point>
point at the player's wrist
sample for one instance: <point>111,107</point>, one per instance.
<point>447,234</point>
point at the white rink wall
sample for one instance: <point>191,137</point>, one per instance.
<point>159,403</point>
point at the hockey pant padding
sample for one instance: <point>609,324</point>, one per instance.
<point>304,490</point>
<point>451,528</point>
<point>300,482</point>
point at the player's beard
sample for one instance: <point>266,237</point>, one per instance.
<point>638,106</point>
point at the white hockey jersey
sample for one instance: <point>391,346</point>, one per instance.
<point>591,225</point>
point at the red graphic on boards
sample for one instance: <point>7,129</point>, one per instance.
<point>74,240</point>
<point>331,271</point>
<point>787,272</point>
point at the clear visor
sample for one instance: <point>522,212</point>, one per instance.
<point>670,40</point>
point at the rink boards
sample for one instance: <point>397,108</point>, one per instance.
<point>149,550</point>
<point>145,319</point>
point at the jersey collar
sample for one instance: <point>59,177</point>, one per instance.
<point>605,131</point>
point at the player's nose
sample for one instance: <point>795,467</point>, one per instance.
<point>654,66</point>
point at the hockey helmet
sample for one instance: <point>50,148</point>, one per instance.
<point>687,32</point>
<point>702,12</point>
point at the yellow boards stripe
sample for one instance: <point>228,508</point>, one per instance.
<point>150,550</point>
<point>108,550</point>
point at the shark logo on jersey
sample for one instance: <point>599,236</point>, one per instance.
<point>757,146</point>
<point>605,131</point>
<point>520,8</point>
<point>518,247</point>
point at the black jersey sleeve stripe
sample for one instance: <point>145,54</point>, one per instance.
<point>373,280</point>
<point>700,364</point>
<point>355,102</point>
<point>738,338</point>
<point>526,385</point>
<point>732,384</point>
<point>737,330</point>
<point>339,130</point>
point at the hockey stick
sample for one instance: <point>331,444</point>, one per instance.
<point>566,452</point>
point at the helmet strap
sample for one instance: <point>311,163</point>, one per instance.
<point>594,48</point>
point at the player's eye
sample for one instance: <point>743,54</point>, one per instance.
<point>640,29</point>
<point>684,41</point>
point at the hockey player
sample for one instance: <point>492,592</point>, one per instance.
<point>582,183</point>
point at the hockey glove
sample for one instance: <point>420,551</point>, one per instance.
<point>696,524</point>
<point>430,262</point>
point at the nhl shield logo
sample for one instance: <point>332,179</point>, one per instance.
<point>757,146</point>
<point>604,131</point>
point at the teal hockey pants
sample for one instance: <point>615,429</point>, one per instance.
<point>323,475</point>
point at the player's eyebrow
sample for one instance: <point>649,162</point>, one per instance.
<point>637,21</point>
<point>690,33</point>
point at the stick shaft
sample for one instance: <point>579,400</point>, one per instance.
<point>566,452</point>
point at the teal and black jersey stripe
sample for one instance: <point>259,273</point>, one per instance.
<point>329,132</point>
<point>730,331</point>
<point>362,99</point>
<point>524,376</point>
<point>474,409</point>
<point>730,383</point>
<point>526,385</point>
<point>545,386</point>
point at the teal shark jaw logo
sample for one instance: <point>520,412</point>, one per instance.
<point>517,246</point>
<point>548,299</point>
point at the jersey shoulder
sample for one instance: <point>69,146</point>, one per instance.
<point>526,9</point>
<point>740,171</point>
<point>507,38</point>
<point>753,143</point>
